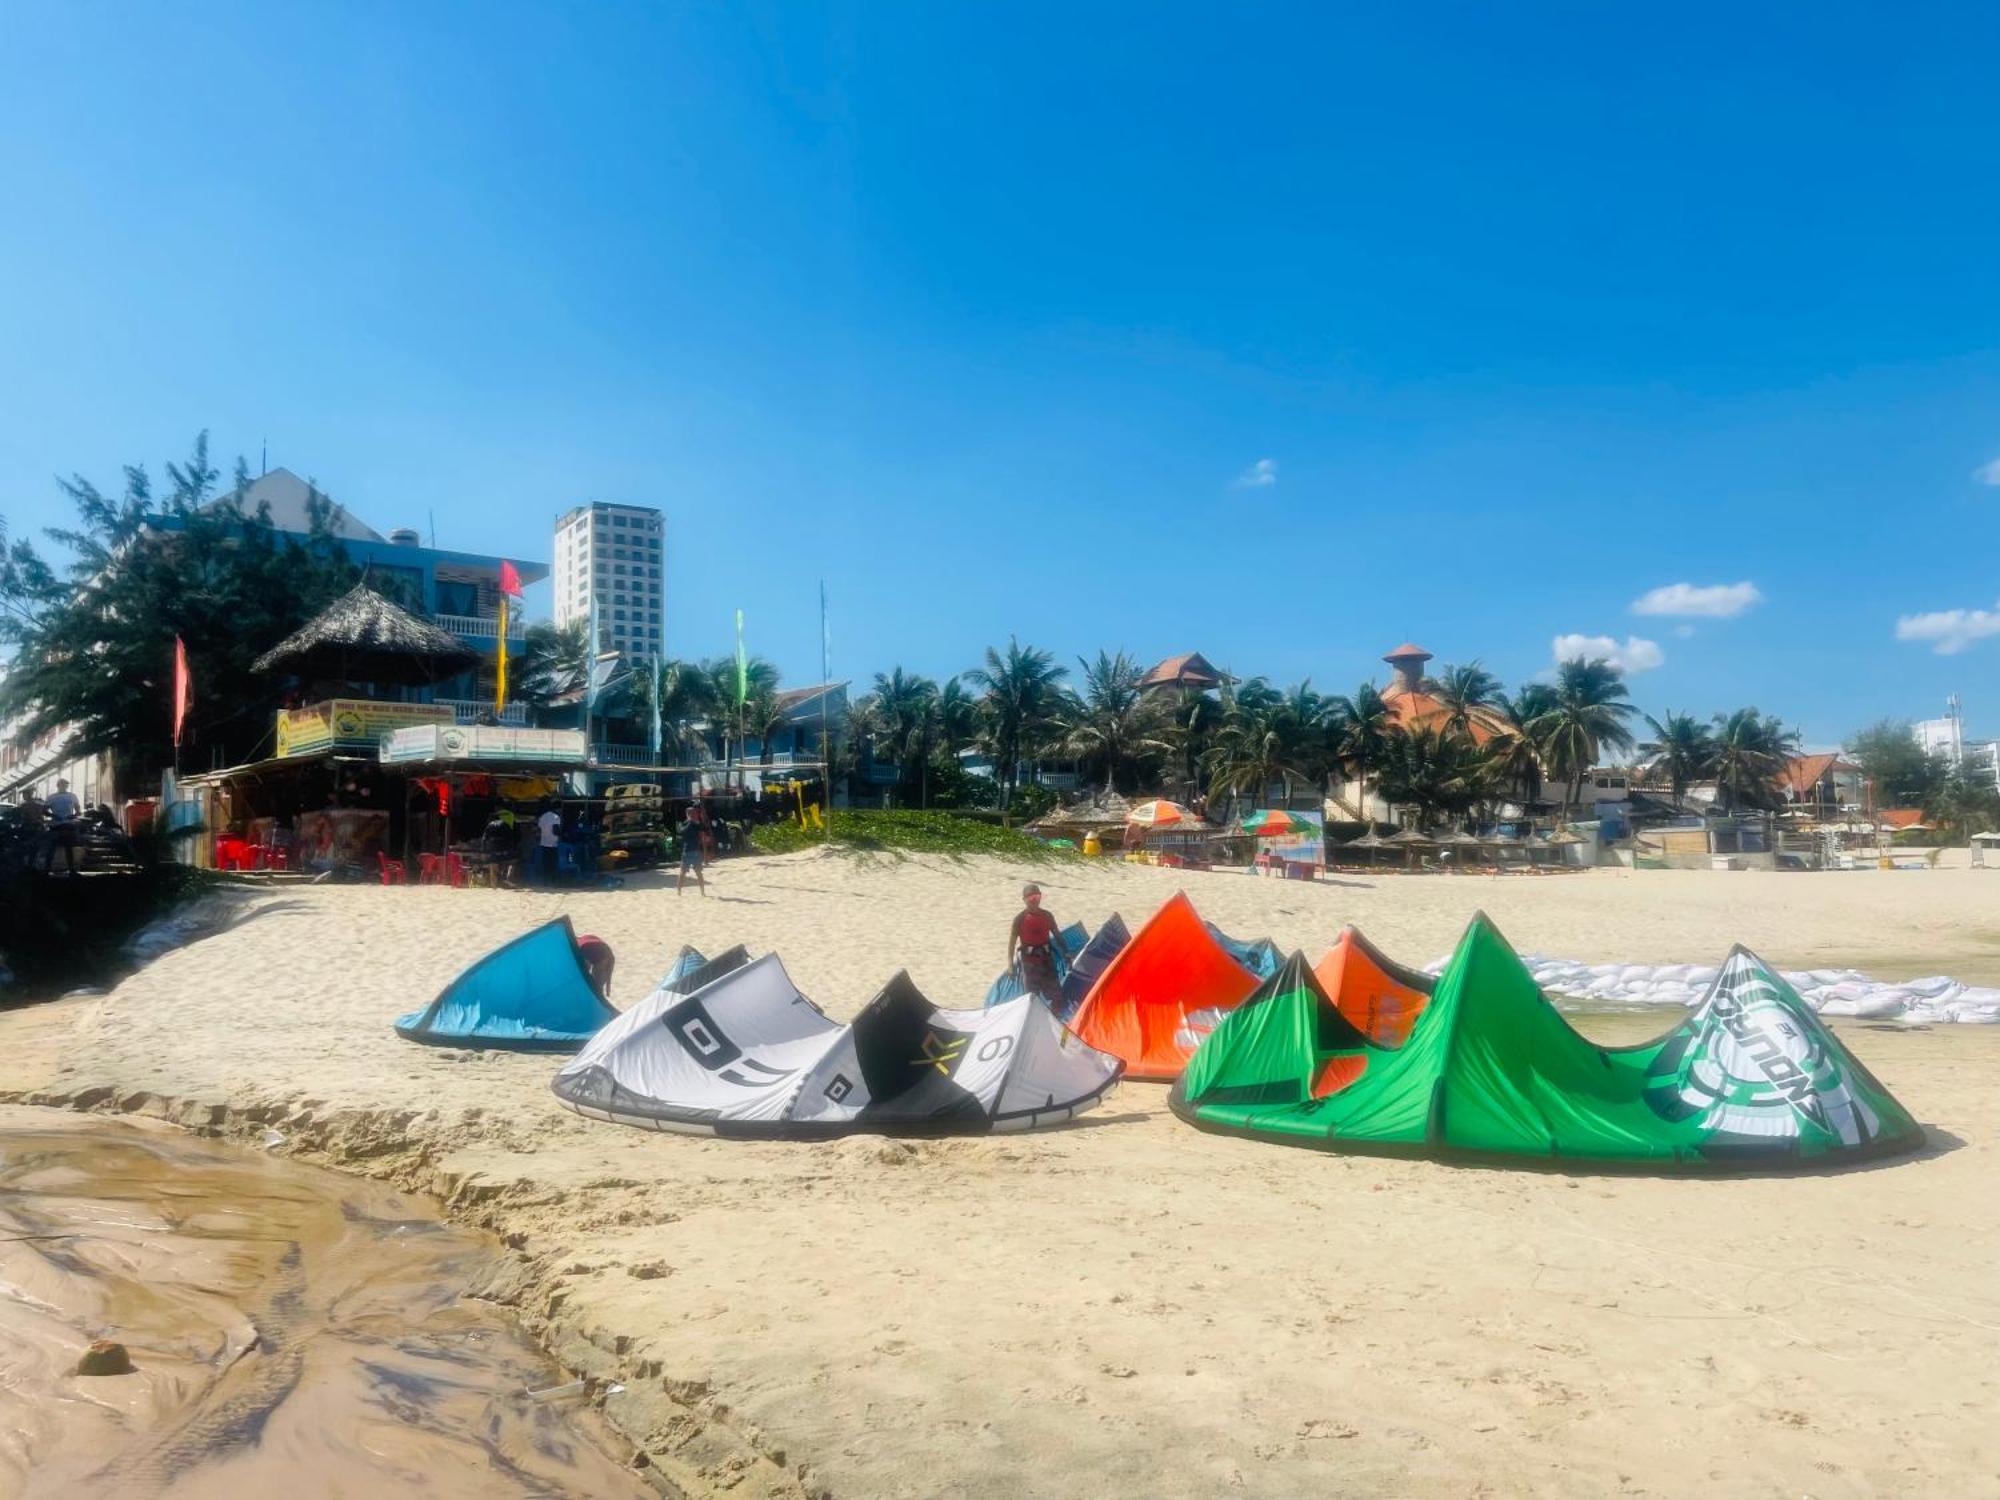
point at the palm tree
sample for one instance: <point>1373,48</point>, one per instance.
<point>554,660</point>
<point>1115,723</point>
<point>1303,717</point>
<point>1462,690</point>
<point>1359,730</point>
<point>1436,771</point>
<point>1682,750</point>
<point>685,692</point>
<point>1267,736</point>
<point>759,677</point>
<point>1192,722</point>
<point>957,718</point>
<point>1022,696</point>
<point>1586,717</point>
<point>1517,760</point>
<point>1750,752</point>
<point>906,713</point>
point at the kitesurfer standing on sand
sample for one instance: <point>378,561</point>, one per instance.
<point>1033,941</point>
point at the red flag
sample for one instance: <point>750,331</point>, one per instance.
<point>510,580</point>
<point>183,687</point>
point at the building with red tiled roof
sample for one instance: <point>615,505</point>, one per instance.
<point>1191,671</point>
<point>1901,819</point>
<point>1823,780</point>
<point>1415,706</point>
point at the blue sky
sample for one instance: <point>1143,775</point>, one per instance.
<point>1272,333</point>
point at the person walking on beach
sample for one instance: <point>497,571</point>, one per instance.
<point>1032,941</point>
<point>549,827</point>
<point>65,820</point>
<point>690,835</point>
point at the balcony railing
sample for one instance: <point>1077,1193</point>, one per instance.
<point>482,627</point>
<point>468,710</point>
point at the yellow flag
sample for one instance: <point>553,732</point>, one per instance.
<point>500,673</point>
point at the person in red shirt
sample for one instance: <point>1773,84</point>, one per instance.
<point>1032,942</point>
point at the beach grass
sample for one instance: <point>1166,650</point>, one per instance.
<point>905,832</point>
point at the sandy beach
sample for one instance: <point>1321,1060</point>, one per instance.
<point>1128,1306</point>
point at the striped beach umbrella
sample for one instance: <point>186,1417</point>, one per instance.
<point>1159,813</point>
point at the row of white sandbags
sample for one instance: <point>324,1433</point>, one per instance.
<point>1831,992</point>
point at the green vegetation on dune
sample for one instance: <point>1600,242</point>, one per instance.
<point>906,833</point>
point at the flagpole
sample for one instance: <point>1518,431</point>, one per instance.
<point>825,741</point>
<point>742,696</point>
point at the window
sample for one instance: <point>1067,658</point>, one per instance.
<point>618,615</point>
<point>457,598</point>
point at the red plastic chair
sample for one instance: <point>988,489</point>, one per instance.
<point>429,866</point>
<point>454,871</point>
<point>393,871</point>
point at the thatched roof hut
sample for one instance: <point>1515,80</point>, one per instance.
<point>362,637</point>
<point>1099,810</point>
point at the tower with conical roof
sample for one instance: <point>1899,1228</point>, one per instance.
<point>1408,661</point>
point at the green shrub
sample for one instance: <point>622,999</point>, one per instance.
<point>906,833</point>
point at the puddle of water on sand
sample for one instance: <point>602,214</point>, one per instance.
<point>294,1332</point>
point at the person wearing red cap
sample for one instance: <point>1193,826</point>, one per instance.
<point>598,961</point>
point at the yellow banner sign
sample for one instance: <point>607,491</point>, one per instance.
<point>350,724</point>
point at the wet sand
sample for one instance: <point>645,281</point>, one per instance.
<point>292,1331</point>
<point>1129,1306</point>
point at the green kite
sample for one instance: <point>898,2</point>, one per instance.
<point>1751,1079</point>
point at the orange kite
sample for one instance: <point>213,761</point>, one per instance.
<point>1378,997</point>
<point>1163,993</point>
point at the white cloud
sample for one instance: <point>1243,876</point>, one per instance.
<point>1637,654</point>
<point>1949,631</point>
<point>1710,601</point>
<point>1988,473</point>
<point>1262,473</point>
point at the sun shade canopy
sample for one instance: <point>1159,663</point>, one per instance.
<point>748,1055</point>
<point>1751,1079</point>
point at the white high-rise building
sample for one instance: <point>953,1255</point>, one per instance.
<point>616,556</point>
<point>1943,737</point>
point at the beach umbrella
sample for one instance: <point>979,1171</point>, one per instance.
<point>1457,838</point>
<point>1369,840</point>
<point>1274,823</point>
<point>1410,838</point>
<point>1158,813</point>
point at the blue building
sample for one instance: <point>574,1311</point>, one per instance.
<point>460,591</point>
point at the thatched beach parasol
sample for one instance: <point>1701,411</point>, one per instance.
<point>1103,810</point>
<point>362,637</point>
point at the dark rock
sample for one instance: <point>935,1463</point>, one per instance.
<point>105,1357</point>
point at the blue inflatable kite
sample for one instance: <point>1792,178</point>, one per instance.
<point>530,995</point>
